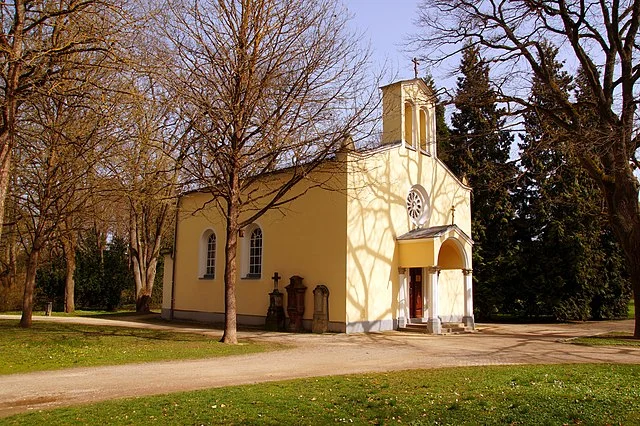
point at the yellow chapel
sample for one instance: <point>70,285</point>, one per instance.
<point>386,237</point>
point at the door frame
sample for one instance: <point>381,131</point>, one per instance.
<point>416,282</point>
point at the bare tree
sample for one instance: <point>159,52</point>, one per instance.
<point>9,244</point>
<point>35,37</point>
<point>148,177</point>
<point>61,142</point>
<point>69,241</point>
<point>600,127</point>
<point>264,85</point>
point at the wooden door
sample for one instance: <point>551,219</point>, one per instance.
<point>415,293</point>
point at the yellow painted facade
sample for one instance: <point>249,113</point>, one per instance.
<point>356,238</point>
<point>304,239</point>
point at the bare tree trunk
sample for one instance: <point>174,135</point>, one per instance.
<point>13,264</point>
<point>8,276</point>
<point>635,284</point>
<point>631,248</point>
<point>10,102</point>
<point>145,250</point>
<point>143,304</point>
<point>230,272</point>
<point>144,276</point>
<point>29,288</point>
<point>69,246</point>
<point>143,297</point>
<point>624,216</point>
<point>5,175</point>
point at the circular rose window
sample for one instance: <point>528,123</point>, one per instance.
<point>418,205</point>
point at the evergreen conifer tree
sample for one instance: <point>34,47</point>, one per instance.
<point>568,260</point>
<point>442,129</point>
<point>478,150</point>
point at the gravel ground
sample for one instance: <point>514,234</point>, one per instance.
<point>310,355</point>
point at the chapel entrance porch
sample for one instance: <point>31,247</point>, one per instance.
<point>435,291</point>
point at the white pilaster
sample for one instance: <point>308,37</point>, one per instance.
<point>416,126</point>
<point>425,295</point>
<point>167,288</point>
<point>468,299</point>
<point>434,323</point>
<point>432,122</point>
<point>403,294</point>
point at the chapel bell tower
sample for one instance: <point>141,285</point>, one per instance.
<point>408,115</point>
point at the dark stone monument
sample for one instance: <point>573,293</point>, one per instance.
<point>320,309</point>
<point>275,314</point>
<point>295,303</point>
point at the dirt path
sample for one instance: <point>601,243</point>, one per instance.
<point>310,355</point>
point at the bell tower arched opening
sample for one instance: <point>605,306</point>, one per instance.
<point>423,131</point>
<point>408,124</point>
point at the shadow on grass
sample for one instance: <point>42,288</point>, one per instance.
<point>90,331</point>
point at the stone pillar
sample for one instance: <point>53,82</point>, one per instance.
<point>403,295</point>
<point>433,323</point>
<point>468,299</point>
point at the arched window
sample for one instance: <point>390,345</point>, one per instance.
<point>424,126</point>
<point>255,253</point>
<point>210,270</point>
<point>207,255</point>
<point>408,125</point>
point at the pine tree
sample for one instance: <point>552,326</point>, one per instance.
<point>567,257</point>
<point>478,150</point>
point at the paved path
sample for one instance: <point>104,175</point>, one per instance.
<point>310,355</point>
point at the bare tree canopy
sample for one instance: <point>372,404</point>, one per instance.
<point>263,85</point>
<point>597,38</point>
<point>39,41</point>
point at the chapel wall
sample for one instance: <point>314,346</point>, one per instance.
<point>306,238</point>
<point>376,215</point>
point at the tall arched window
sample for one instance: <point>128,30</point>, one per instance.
<point>408,125</point>
<point>424,126</point>
<point>210,270</point>
<point>255,253</point>
<point>207,255</point>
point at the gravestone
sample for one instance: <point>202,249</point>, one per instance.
<point>275,315</point>
<point>295,303</point>
<point>320,309</point>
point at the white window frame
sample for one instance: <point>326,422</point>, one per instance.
<point>248,256</point>
<point>204,255</point>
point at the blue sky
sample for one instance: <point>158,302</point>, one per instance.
<point>386,23</point>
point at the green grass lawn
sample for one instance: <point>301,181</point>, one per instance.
<point>609,339</point>
<point>504,395</point>
<point>632,309</point>
<point>50,346</point>
<point>80,313</point>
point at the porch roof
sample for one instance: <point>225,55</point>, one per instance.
<point>434,232</point>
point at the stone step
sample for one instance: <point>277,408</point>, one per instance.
<point>416,328</point>
<point>446,328</point>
